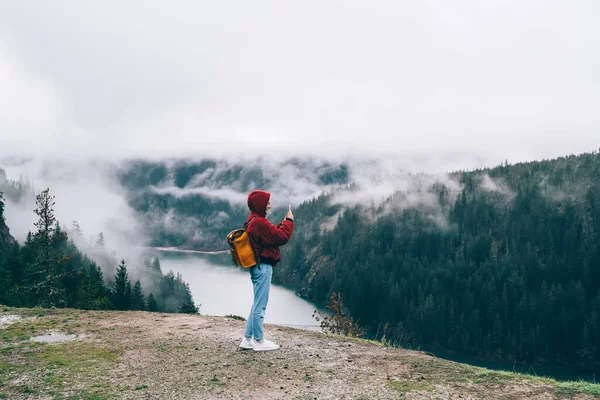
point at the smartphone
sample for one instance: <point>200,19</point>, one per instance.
<point>290,208</point>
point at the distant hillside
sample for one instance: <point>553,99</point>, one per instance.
<point>194,204</point>
<point>140,355</point>
<point>504,265</point>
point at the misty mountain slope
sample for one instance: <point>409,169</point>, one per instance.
<point>507,267</point>
<point>58,267</point>
<point>139,355</point>
<point>6,238</point>
<point>13,191</point>
<point>195,204</point>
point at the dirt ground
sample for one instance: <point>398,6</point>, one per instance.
<point>139,355</point>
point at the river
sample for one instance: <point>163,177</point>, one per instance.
<point>219,288</point>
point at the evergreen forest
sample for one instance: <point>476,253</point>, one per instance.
<point>48,270</point>
<point>505,268</point>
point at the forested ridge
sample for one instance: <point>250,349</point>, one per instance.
<point>507,268</point>
<point>194,204</point>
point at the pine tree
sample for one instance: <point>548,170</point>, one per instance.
<point>121,294</point>
<point>44,273</point>
<point>155,265</point>
<point>45,213</point>
<point>152,306</point>
<point>76,229</point>
<point>182,290</point>
<point>100,241</point>
<point>91,291</point>
<point>137,297</point>
<point>187,305</point>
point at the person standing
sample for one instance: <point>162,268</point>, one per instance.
<point>265,239</point>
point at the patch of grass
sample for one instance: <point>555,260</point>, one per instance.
<point>217,382</point>
<point>31,345</point>
<point>34,312</point>
<point>237,317</point>
<point>54,379</point>
<point>75,358</point>
<point>85,395</point>
<point>497,377</point>
<point>410,386</point>
<point>13,333</point>
<point>570,388</point>
<point>141,387</point>
<point>438,371</point>
<point>3,396</point>
<point>484,375</point>
<point>6,367</point>
<point>28,390</point>
<point>442,371</point>
<point>24,330</point>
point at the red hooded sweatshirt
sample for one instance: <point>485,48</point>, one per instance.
<point>266,237</point>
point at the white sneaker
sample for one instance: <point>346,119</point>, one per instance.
<point>247,344</point>
<point>266,345</point>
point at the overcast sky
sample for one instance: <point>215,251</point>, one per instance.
<point>499,79</point>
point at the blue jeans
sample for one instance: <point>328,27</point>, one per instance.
<point>261,281</point>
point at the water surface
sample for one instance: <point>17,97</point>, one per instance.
<point>222,289</point>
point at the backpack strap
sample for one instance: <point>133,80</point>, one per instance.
<point>248,222</point>
<point>260,248</point>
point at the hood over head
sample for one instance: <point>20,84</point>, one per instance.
<point>257,202</point>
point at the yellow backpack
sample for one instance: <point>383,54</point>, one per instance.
<point>241,251</point>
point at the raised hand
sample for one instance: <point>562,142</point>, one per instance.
<point>290,215</point>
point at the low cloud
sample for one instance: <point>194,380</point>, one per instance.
<point>289,180</point>
<point>84,192</point>
<point>278,79</point>
<point>377,180</point>
<point>498,186</point>
<point>88,192</point>
<point>229,195</point>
